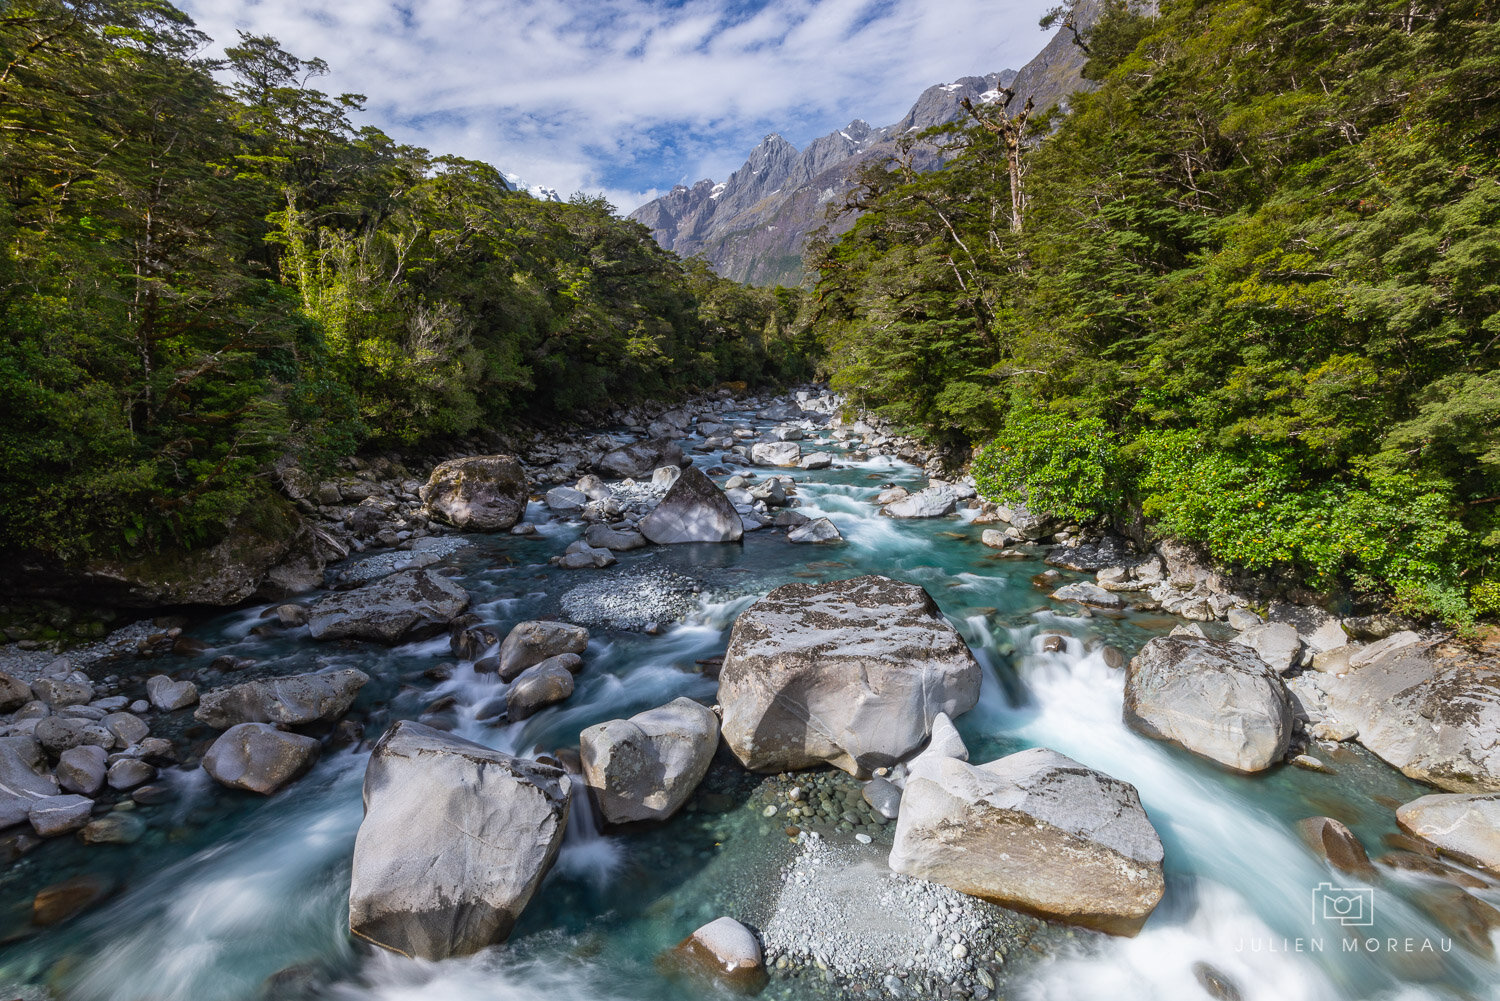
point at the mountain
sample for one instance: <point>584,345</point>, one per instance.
<point>752,227</point>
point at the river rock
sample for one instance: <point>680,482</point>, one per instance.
<point>537,687</point>
<point>1467,827</point>
<point>694,510</point>
<point>1035,831</point>
<point>1334,842</point>
<point>816,460</point>
<point>410,605</point>
<point>14,693</point>
<point>294,700</point>
<point>480,493</point>
<point>113,829</point>
<point>819,530</point>
<point>1218,700</point>
<point>455,839</point>
<point>566,500</point>
<point>23,778</point>
<point>54,815</point>
<point>168,695</point>
<point>1434,719</point>
<point>62,692</point>
<point>1277,643</point>
<point>581,556</point>
<point>776,453</point>
<point>724,952</point>
<point>259,758</point>
<point>593,488</point>
<point>848,673</point>
<point>128,728</point>
<point>81,769</point>
<point>60,901</point>
<point>57,734</point>
<point>933,502</point>
<point>613,539</point>
<point>530,643</point>
<point>127,773</point>
<point>640,459</point>
<point>664,476</point>
<point>645,767</point>
<point>1084,593</point>
<point>1092,555</point>
<point>1393,645</point>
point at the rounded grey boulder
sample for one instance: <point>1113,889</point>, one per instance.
<point>259,758</point>
<point>1218,700</point>
<point>645,767</point>
<point>532,642</point>
<point>693,510</point>
<point>849,673</point>
<point>537,687</point>
<point>408,605</point>
<point>481,493</point>
<point>295,700</point>
<point>1035,831</point>
<point>455,839</point>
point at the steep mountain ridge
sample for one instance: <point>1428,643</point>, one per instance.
<point>752,227</point>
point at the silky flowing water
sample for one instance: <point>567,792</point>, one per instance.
<point>231,896</point>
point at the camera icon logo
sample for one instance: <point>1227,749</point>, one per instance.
<point>1350,906</point>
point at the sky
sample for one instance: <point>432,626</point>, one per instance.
<point>626,98</point>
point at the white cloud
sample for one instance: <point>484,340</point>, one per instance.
<point>626,97</point>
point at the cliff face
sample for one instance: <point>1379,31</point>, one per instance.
<point>753,227</point>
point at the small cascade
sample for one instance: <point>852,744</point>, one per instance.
<point>587,854</point>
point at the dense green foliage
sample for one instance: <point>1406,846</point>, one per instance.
<point>200,278</point>
<point>1257,293</point>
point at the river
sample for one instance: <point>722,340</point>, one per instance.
<point>231,897</point>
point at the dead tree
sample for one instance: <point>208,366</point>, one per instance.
<point>1010,129</point>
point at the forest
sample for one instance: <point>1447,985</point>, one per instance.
<point>1247,292</point>
<point>208,267</point>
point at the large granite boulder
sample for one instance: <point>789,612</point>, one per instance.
<point>1218,700</point>
<point>1433,718</point>
<point>408,605</point>
<point>529,643</point>
<point>23,779</point>
<point>480,493</point>
<point>259,758</point>
<point>1466,827</point>
<point>641,459</point>
<point>1035,831</point>
<point>933,502</point>
<point>1277,643</point>
<point>645,767</point>
<point>294,700</point>
<point>848,673</point>
<point>456,837</point>
<point>776,453</point>
<point>694,510</point>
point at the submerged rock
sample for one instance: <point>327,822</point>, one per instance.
<point>1035,831</point>
<point>1337,844</point>
<point>455,839</point>
<point>849,673</point>
<point>480,493</point>
<point>259,758</point>
<point>408,605</point>
<point>1218,700</point>
<point>1466,827</point>
<point>294,700</point>
<point>722,951</point>
<point>694,510</point>
<point>645,767</point>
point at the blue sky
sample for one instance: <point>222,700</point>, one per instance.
<point>629,97</point>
